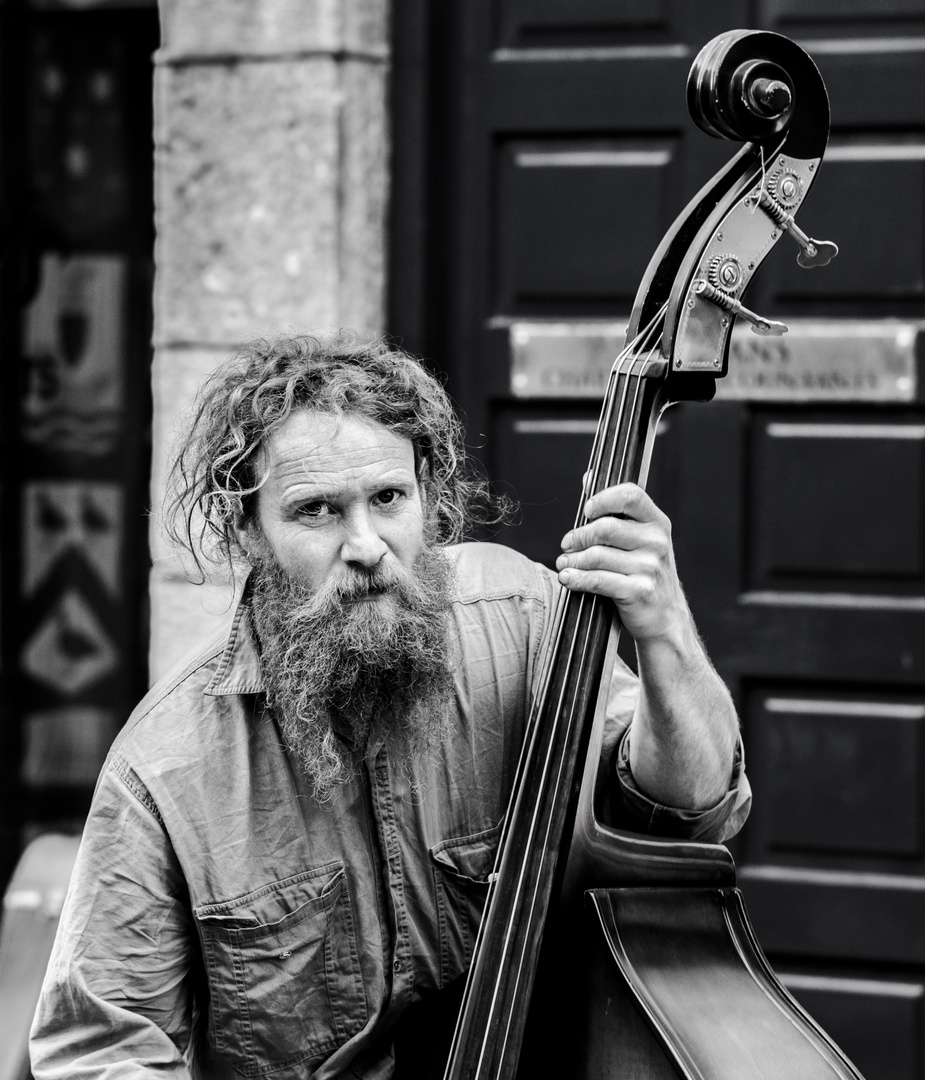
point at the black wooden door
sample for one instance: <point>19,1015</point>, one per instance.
<point>557,151</point>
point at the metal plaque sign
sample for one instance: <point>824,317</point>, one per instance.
<point>570,360</point>
<point>817,360</point>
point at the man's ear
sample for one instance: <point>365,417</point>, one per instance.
<point>244,531</point>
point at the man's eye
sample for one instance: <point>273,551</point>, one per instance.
<point>314,509</point>
<point>390,495</point>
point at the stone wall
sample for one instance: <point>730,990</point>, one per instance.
<point>271,144</point>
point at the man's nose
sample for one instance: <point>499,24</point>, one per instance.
<point>362,544</point>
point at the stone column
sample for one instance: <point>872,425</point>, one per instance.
<point>271,145</point>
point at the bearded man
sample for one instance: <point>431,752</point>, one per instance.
<point>291,839</point>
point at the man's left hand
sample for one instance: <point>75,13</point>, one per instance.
<point>624,552</point>
<point>684,730</point>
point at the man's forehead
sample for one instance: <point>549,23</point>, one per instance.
<point>324,443</point>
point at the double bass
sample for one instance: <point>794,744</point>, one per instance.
<point>605,954</point>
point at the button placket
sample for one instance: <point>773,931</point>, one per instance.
<point>385,804</point>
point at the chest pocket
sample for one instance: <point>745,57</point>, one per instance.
<point>462,867</point>
<point>284,973</point>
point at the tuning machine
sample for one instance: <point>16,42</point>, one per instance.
<point>812,252</point>
<point>759,324</point>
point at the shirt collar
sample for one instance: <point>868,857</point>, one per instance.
<point>239,670</point>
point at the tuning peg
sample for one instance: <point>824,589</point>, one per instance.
<point>768,97</point>
<point>759,324</point>
<point>812,252</point>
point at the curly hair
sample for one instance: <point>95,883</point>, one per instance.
<point>217,469</point>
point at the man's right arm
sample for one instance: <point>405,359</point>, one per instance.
<point>116,998</point>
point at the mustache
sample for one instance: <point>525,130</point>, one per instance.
<point>353,585</point>
<point>357,584</point>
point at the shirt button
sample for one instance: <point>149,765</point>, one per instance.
<point>397,965</point>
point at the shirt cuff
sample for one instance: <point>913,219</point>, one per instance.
<point>639,813</point>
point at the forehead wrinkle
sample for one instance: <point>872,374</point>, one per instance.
<point>326,467</point>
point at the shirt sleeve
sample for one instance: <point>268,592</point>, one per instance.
<point>116,1000</point>
<point>713,825</point>
<point>623,804</point>
<point>628,806</point>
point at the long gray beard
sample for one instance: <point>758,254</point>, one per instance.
<point>343,674</point>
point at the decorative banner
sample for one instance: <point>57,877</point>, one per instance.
<point>66,747</point>
<point>67,515</point>
<point>69,650</point>
<point>73,343</point>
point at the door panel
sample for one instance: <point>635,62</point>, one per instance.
<point>866,532</point>
<point>543,448</point>
<point>553,250</point>
<point>836,11</point>
<point>525,21</point>
<point>825,764</point>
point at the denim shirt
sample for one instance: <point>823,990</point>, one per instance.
<point>220,923</point>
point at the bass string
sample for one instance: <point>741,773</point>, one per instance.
<point>622,437</point>
<point>642,347</point>
<point>585,598</point>
<point>610,476</point>
<point>559,611</point>
<point>647,340</point>
<point>631,354</point>
<point>597,476</point>
<point>528,917</point>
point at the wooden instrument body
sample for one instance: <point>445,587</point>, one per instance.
<point>604,953</point>
<point>721,1012</point>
